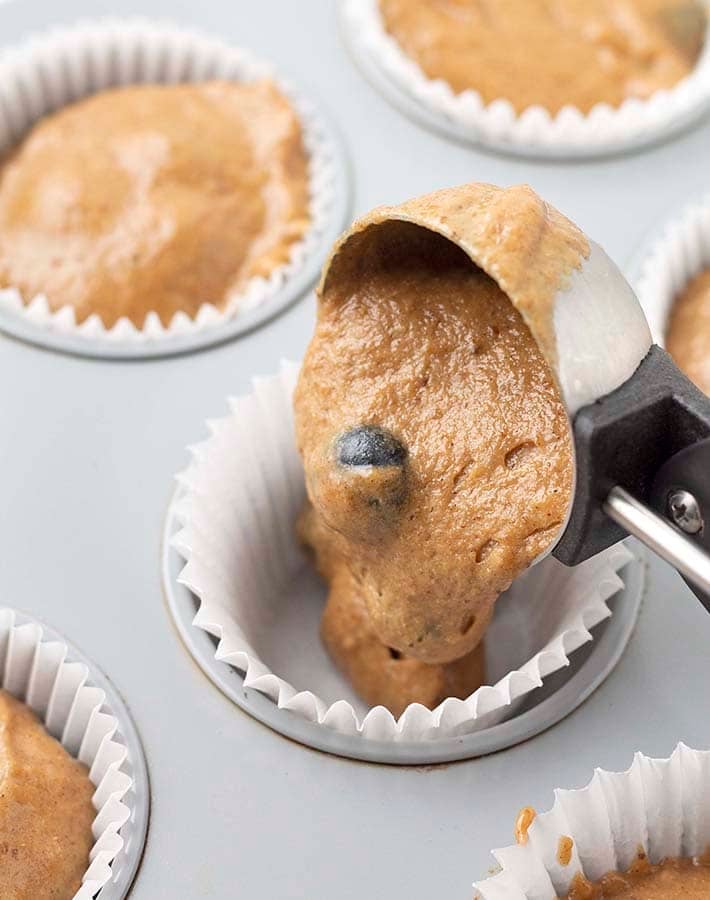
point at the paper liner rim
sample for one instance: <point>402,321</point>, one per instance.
<point>504,884</point>
<point>321,151</point>
<point>306,703</point>
<point>109,842</point>
<point>535,129</point>
<point>658,256</point>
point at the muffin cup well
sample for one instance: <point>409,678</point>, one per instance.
<point>536,132</point>
<point>238,502</point>
<point>43,672</point>
<point>64,65</point>
<point>669,260</point>
<point>658,805</point>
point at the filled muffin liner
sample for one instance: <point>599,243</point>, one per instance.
<point>535,131</point>
<point>62,66</point>
<point>673,256</point>
<point>41,674</point>
<point>237,504</point>
<point>659,806</point>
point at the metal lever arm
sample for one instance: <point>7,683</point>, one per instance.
<point>669,542</point>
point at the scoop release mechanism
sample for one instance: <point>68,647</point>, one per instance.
<point>643,468</point>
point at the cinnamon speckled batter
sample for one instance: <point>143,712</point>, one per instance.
<point>45,810</point>
<point>527,246</point>
<point>674,879</point>
<point>688,335</point>
<point>381,675</point>
<point>551,53</point>
<point>154,198</point>
<point>420,360</point>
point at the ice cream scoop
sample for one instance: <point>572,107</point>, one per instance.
<point>482,390</point>
<point>641,428</point>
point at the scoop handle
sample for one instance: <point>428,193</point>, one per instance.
<point>634,447</point>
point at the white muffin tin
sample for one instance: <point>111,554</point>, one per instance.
<point>87,455</point>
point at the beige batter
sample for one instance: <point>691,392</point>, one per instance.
<point>381,675</point>
<point>415,340</point>
<point>688,336</point>
<point>551,53</point>
<point>529,248</point>
<point>674,879</point>
<point>154,198</point>
<point>45,810</point>
<point>523,821</point>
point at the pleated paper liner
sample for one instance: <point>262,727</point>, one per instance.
<point>669,260</point>
<point>41,670</point>
<point>535,132</point>
<point>238,502</point>
<point>64,65</point>
<point>661,806</point>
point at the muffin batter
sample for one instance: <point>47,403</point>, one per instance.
<point>435,444</point>
<point>674,879</point>
<point>45,810</point>
<point>154,198</point>
<point>523,821</point>
<point>551,53</point>
<point>381,675</point>
<point>688,337</point>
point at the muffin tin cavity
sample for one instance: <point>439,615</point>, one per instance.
<point>570,134</point>
<point>247,605</point>
<point>80,708</point>
<point>50,71</point>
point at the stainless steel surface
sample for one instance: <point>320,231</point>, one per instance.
<point>87,452</point>
<point>668,542</point>
<point>685,511</point>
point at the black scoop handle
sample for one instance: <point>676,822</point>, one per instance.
<point>650,437</point>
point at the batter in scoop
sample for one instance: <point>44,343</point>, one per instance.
<point>551,53</point>
<point>435,443</point>
<point>46,811</point>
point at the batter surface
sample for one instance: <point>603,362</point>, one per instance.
<point>45,810</point>
<point>381,675</point>
<point>674,879</point>
<point>551,53</point>
<point>154,198</point>
<point>688,336</point>
<point>464,474</point>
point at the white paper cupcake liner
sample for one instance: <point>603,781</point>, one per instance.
<point>238,503</point>
<point>659,805</point>
<point>40,672</point>
<point>64,65</point>
<point>669,261</point>
<point>569,133</point>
